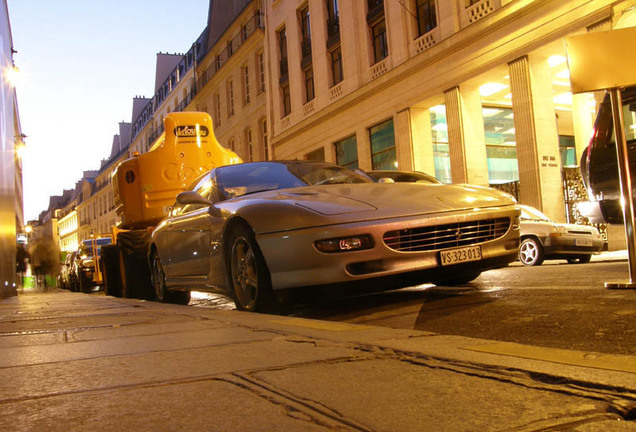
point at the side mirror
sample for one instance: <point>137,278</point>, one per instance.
<point>191,197</point>
<point>386,180</point>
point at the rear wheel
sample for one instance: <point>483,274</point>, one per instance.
<point>531,252</point>
<point>158,278</point>
<point>85,284</point>
<point>248,275</point>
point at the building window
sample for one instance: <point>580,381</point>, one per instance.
<point>261,72</point>
<point>305,32</point>
<point>383,154</point>
<point>501,145</point>
<point>380,45</point>
<point>309,84</point>
<point>333,19</point>
<point>286,99</point>
<point>246,85</point>
<point>347,152</point>
<point>284,73</point>
<point>567,149</point>
<point>316,155</point>
<point>217,110</point>
<point>250,146</point>
<point>265,140</point>
<point>426,18</point>
<point>282,53</point>
<point>336,65</point>
<point>230,98</point>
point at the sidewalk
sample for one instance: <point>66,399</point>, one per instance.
<point>77,362</point>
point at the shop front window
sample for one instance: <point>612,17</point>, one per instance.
<point>501,145</point>
<point>383,154</point>
<point>567,149</point>
<point>439,131</point>
<point>347,152</point>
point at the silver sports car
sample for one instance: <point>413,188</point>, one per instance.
<point>256,230</point>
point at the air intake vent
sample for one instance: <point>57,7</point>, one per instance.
<point>130,177</point>
<point>437,237</point>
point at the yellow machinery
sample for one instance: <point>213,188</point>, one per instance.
<point>146,185</point>
<point>145,188</point>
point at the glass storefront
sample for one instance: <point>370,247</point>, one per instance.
<point>347,152</point>
<point>501,146</point>
<point>383,154</point>
<point>439,132</point>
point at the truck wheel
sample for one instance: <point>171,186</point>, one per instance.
<point>133,264</point>
<point>85,284</point>
<point>111,275</point>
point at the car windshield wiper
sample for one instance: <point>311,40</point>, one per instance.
<point>258,190</point>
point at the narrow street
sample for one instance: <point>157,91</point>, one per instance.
<point>551,306</point>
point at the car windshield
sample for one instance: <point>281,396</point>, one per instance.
<point>403,176</point>
<point>243,179</point>
<point>531,213</point>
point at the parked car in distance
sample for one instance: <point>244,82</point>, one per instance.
<point>402,176</point>
<point>84,263</point>
<point>256,230</point>
<point>542,238</point>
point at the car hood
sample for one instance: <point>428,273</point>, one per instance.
<point>328,204</point>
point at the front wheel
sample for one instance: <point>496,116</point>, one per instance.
<point>249,278</point>
<point>531,252</point>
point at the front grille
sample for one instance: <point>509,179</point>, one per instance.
<point>436,237</point>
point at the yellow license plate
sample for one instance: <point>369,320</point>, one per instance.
<point>460,255</point>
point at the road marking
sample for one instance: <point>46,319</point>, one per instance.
<point>594,360</point>
<point>320,325</point>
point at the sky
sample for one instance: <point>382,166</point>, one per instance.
<point>81,64</point>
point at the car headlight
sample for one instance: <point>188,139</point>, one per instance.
<point>87,263</point>
<point>344,244</point>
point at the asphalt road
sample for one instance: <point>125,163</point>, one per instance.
<point>555,305</point>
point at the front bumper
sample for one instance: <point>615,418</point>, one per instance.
<point>572,245</point>
<point>293,261</point>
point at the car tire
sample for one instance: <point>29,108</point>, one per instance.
<point>158,280</point>
<point>531,252</point>
<point>248,277</point>
<point>85,284</point>
<point>579,259</point>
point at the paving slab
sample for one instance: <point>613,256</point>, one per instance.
<point>76,362</point>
